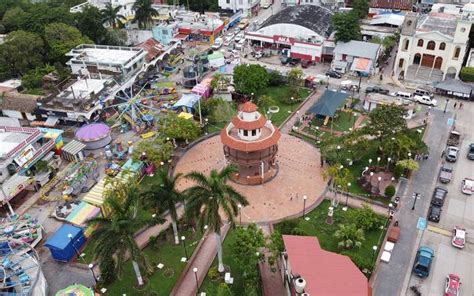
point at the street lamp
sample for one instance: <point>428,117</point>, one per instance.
<point>409,154</point>
<point>375,251</point>
<point>75,250</point>
<point>337,150</point>
<point>388,162</point>
<point>370,161</point>
<point>304,204</point>
<point>378,184</point>
<point>446,105</point>
<point>195,270</point>
<point>240,213</point>
<point>371,174</point>
<point>291,107</point>
<point>347,193</point>
<point>183,239</point>
<point>91,267</point>
<point>415,196</point>
<point>378,160</point>
<point>206,122</point>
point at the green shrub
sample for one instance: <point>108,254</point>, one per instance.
<point>213,274</point>
<point>390,191</point>
<point>288,226</point>
<point>398,171</point>
<point>107,269</point>
<point>467,74</point>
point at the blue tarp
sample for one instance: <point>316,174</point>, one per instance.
<point>62,247</point>
<point>328,103</point>
<point>187,102</point>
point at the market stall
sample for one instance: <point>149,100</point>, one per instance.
<point>73,151</point>
<point>66,242</point>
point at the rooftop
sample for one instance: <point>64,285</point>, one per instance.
<point>440,22</point>
<point>104,54</point>
<point>19,102</point>
<point>312,17</point>
<point>12,139</point>
<point>9,140</point>
<point>82,88</point>
<point>325,273</point>
<point>392,4</point>
<point>358,49</point>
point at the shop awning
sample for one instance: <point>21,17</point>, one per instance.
<point>456,88</point>
<point>73,147</point>
<point>361,65</point>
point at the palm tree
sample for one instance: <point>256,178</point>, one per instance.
<point>349,236</point>
<point>144,13</point>
<point>165,196</point>
<point>111,16</point>
<point>114,233</point>
<point>208,196</point>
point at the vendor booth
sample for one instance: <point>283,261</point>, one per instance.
<point>82,213</point>
<point>186,103</point>
<point>65,242</point>
<point>73,151</point>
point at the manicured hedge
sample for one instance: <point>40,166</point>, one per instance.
<point>467,74</point>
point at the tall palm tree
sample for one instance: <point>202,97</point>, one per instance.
<point>144,13</point>
<point>208,196</point>
<point>111,16</point>
<point>165,196</point>
<point>114,233</point>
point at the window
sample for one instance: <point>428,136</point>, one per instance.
<point>431,45</point>
<point>227,1</point>
<point>442,46</point>
<point>420,43</point>
<point>457,51</point>
<point>241,2</point>
<point>164,31</point>
<point>405,44</point>
<point>246,133</point>
<point>254,132</point>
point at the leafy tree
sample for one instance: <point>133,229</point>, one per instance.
<point>276,247</point>
<point>107,269</point>
<point>386,121</point>
<point>247,243</point>
<point>346,26</point>
<point>89,22</point>
<point>43,14</point>
<point>220,82</point>
<point>365,218</point>
<point>349,236</point>
<point>360,8</point>
<point>144,13</point>
<point>116,37</point>
<point>408,164</point>
<point>338,176</point>
<point>22,51</point>
<point>180,129</point>
<point>210,195</point>
<point>164,196</point>
<point>264,102</point>
<point>223,290</point>
<point>111,15</point>
<point>33,79</point>
<point>250,79</point>
<point>398,147</point>
<point>295,76</point>
<point>15,19</point>
<point>217,110</point>
<point>390,191</point>
<point>114,233</point>
<point>61,38</point>
<point>156,150</point>
<point>275,78</point>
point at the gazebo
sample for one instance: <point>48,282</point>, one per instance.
<point>251,143</point>
<point>328,104</point>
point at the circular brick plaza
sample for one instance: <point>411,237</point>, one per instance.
<point>299,175</point>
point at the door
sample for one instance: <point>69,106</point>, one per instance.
<point>427,60</point>
<point>438,62</point>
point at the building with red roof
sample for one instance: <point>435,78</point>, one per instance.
<point>251,143</point>
<point>317,272</point>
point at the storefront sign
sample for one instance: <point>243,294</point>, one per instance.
<point>283,40</point>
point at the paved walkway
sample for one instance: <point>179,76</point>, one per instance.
<point>201,259</point>
<point>272,283</point>
<point>286,128</point>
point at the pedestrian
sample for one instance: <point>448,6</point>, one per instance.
<point>455,104</point>
<point>442,153</point>
<point>460,105</point>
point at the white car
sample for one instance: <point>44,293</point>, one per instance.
<point>239,37</point>
<point>467,186</point>
<point>459,237</point>
<point>217,44</point>
<point>426,100</point>
<point>230,35</point>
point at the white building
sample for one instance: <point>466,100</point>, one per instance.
<point>125,10</point>
<point>248,7</point>
<point>106,60</point>
<point>432,47</point>
<point>356,56</point>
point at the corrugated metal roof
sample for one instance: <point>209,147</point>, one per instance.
<point>74,147</point>
<point>358,49</point>
<point>392,4</point>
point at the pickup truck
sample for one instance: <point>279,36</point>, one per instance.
<point>423,260</point>
<point>454,138</point>
<point>445,174</point>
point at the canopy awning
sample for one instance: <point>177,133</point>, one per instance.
<point>456,87</point>
<point>328,103</point>
<point>361,65</point>
<point>187,100</point>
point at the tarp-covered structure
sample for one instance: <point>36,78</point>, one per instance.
<point>65,242</point>
<point>455,88</point>
<point>186,102</point>
<point>328,103</point>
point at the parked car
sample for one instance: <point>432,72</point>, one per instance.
<point>376,89</point>
<point>293,61</point>
<point>434,213</point>
<point>334,74</point>
<point>459,237</point>
<point>467,186</point>
<point>258,54</point>
<point>239,37</point>
<point>217,43</point>
<point>445,174</point>
<point>423,92</point>
<point>452,153</point>
<point>425,100</point>
<point>423,260</point>
<point>439,195</point>
<point>244,23</point>
<point>470,151</point>
<point>402,94</point>
<point>453,285</point>
<point>305,63</point>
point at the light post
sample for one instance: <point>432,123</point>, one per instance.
<point>378,160</point>
<point>353,124</point>
<point>388,163</point>
<point>446,105</point>
<point>370,161</point>
<point>370,180</point>
<point>240,213</point>
<point>206,122</point>
<point>91,267</point>
<point>75,250</point>
<point>338,148</point>
<point>291,107</point>
<point>378,184</point>
<point>183,239</point>
<point>304,205</point>
<point>374,248</point>
<point>195,270</point>
<point>415,196</point>
<point>409,155</point>
<point>347,193</point>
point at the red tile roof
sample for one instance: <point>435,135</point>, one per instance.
<point>248,107</point>
<point>152,47</point>
<point>251,145</point>
<point>249,125</point>
<point>325,273</point>
<point>392,4</point>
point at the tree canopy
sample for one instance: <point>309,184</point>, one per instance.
<point>360,8</point>
<point>180,129</point>
<point>156,150</point>
<point>22,51</point>
<point>250,78</point>
<point>144,13</point>
<point>386,121</point>
<point>61,38</point>
<point>346,26</point>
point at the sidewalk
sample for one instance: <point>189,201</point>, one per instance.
<point>291,121</point>
<point>202,259</point>
<point>272,283</point>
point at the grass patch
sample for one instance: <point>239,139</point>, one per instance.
<point>281,93</point>
<point>342,122</point>
<point>163,280</point>
<point>363,257</point>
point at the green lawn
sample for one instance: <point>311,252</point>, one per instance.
<point>163,280</point>
<point>237,287</point>
<point>279,94</point>
<point>363,257</point>
<point>342,122</point>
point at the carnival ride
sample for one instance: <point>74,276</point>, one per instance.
<point>21,231</point>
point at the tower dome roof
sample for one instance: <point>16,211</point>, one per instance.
<point>248,107</point>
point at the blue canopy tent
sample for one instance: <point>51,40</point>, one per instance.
<point>186,103</point>
<point>65,242</point>
<point>328,103</point>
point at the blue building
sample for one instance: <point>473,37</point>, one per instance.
<point>164,32</point>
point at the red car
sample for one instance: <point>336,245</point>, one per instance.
<point>453,285</point>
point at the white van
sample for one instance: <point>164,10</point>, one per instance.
<point>217,43</point>
<point>426,100</point>
<point>423,92</point>
<point>402,94</point>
